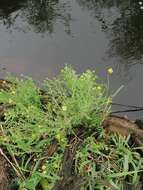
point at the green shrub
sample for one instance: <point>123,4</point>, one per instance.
<point>30,127</point>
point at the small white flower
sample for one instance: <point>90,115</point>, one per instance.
<point>141,7</point>
<point>140,3</point>
<point>44,167</point>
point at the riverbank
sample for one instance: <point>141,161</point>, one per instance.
<point>61,136</point>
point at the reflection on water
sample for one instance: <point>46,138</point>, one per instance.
<point>7,7</point>
<point>37,37</point>
<point>123,23</point>
<point>40,15</point>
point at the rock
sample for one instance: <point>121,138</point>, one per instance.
<point>124,127</point>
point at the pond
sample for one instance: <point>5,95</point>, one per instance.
<point>38,37</point>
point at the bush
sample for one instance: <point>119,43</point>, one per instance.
<point>42,123</point>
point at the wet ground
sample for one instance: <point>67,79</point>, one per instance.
<point>38,37</point>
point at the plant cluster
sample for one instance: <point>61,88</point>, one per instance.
<point>35,132</point>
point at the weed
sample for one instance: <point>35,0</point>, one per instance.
<point>34,136</point>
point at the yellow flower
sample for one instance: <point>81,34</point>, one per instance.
<point>44,172</point>
<point>64,108</point>
<point>13,92</point>
<point>99,88</point>
<point>5,114</point>
<point>10,101</point>
<point>110,71</point>
<point>58,136</point>
<point>5,138</point>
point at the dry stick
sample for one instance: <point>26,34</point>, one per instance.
<point>136,108</point>
<point>16,163</point>
<point>15,169</point>
<point>68,179</point>
<point>130,110</point>
<point>125,105</point>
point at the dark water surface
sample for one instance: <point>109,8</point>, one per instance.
<point>37,38</point>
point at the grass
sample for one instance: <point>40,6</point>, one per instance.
<point>34,133</point>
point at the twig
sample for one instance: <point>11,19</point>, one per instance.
<point>130,110</point>
<point>125,105</point>
<point>15,169</point>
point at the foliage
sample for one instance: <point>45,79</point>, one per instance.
<point>108,166</point>
<point>35,131</point>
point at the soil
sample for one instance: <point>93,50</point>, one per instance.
<point>4,175</point>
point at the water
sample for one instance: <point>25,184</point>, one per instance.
<point>38,37</point>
